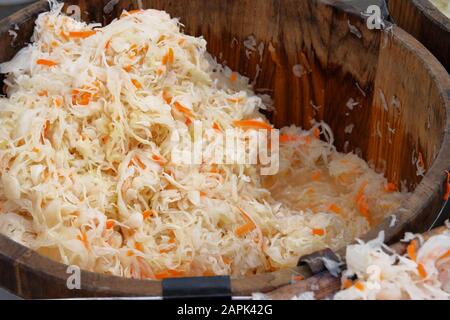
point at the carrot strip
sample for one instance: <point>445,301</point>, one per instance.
<point>178,106</point>
<point>47,63</point>
<point>233,76</point>
<point>148,213</point>
<point>391,187</point>
<point>82,34</point>
<point>136,84</point>
<point>334,208</point>
<point>361,202</point>
<point>359,285</point>
<point>235,100</point>
<point>422,272</point>
<point>411,250</point>
<point>444,256</point>
<point>243,230</point>
<point>298,278</point>
<point>169,57</point>
<point>136,160</point>
<point>167,97</point>
<point>46,129</point>
<point>316,175</point>
<point>347,283</point>
<point>138,246</point>
<point>318,232</point>
<point>85,99</point>
<point>83,238</point>
<point>216,126</point>
<point>227,260</point>
<point>110,224</point>
<point>169,274</point>
<point>158,160</point>
<point>128,68</point>
<point>252,124</point>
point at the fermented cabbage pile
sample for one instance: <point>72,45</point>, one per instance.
<point>384,275</point>
<point>87,175</point>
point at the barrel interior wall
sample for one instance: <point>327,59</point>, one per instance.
<point>339,60</point>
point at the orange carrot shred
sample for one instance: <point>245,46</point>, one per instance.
<point>138,161</point>
<point>167,97</point>
<point>233,76</point>
<point>316,175</point>
<point>359,285</point>
<point>128,68</point>
<point>82,34</point>
<point>169,57</point>
<point>391,187</point>
<point>298,278</point>
<point>318,232</point>
<point>361,202</point>
<point>347,283</point>
<point>136,84</point>
<point>83,238</point>
<point>139,246</point>
<point>422,271</point>
<point>235,100</point>
<point>246,228</point>
<point>411,250</point>
<point>110,224</point>
<point>252,124</point>
<point>216,126</point>
<point>227,260</point>
<point>169,274</point>
<point>47,63</point>
<point>179,107</point>
<point>444,256</point>
<point>46,129</point>
<point>334,208</point>
<point>148,213</point>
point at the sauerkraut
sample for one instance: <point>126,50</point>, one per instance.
<point>87,177</point>
<point>376,273</point>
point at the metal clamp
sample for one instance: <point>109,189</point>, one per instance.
<point>316,262</point>
<point>197,288</point>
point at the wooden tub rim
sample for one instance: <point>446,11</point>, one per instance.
<point>22,260</point>
<point>433,13</point>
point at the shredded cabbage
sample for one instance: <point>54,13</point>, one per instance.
<point>86,171</point>
<point>383,275</point>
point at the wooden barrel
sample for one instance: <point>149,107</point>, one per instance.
<point>425,22</point>
<point>403,91</point>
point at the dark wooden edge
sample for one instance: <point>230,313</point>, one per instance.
<point>428,196</point>
<point>23,15</point>
<point>433,14</point>
<point>30,275</point>
<point>425,22</point>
